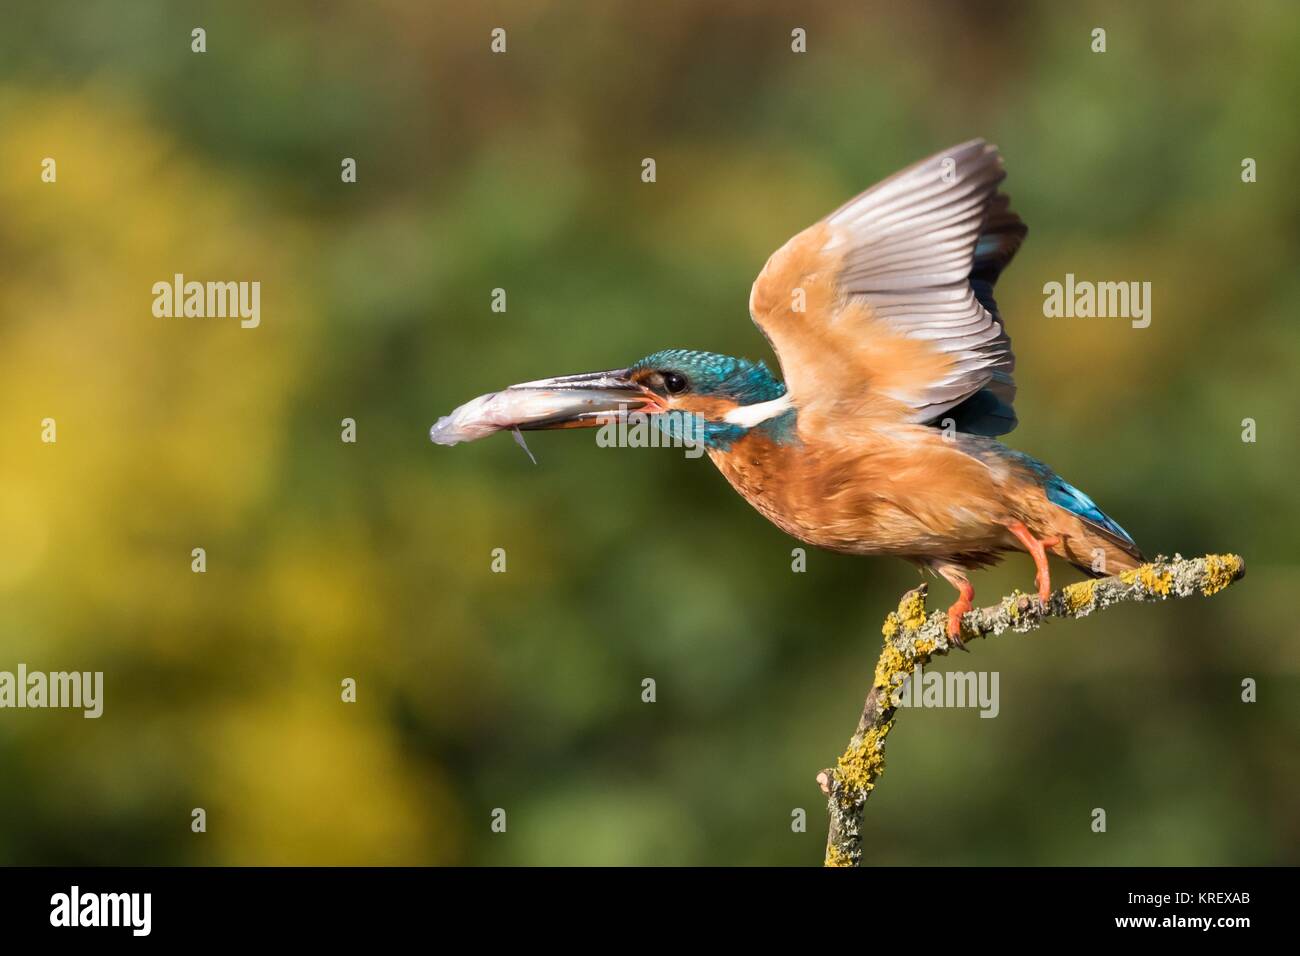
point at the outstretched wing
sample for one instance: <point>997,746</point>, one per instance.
<point>884,309</point>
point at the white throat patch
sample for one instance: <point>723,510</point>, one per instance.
<point>751,415</point>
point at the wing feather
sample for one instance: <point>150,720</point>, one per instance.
<point>898,320</point>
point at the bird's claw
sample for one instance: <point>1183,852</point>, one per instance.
<point>954,625</point>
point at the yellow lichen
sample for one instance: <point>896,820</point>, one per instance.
<point>1155,583</point>
<point>924,649</point>
<point>1079,596</point>
<point>1130,577</point>
<point>837,857</point>
<point>891,662</point>
<point>1220,571</point>
<point>890,627</point>
<point>860,766</point>
<point>911,610</point>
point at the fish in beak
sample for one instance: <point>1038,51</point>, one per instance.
<point>570,401</point>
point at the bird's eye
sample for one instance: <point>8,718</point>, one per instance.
<point>675,382</point>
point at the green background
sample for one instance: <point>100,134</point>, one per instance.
<point>522,690</point>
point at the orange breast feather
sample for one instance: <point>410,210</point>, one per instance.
<point>903,490</point>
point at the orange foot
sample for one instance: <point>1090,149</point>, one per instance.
<point>1038,549</point>
<point>963,604</point>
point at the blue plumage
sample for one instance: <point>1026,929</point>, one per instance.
<point>1060,492</point>
<point>712,375</point>
<point>739,379</point>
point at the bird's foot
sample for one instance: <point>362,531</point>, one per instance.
<point>1043,577</point>
<point>1037,548</point>
<point>959,608</point>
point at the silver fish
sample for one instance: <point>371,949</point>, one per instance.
<point>571,401</point>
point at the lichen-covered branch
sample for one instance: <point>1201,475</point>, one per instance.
<point>913,637</point>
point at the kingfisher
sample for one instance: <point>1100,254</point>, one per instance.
<point>881,439</point>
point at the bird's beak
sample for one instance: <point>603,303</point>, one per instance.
<point>589,399</point>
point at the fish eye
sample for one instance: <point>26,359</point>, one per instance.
<point>674,381</point>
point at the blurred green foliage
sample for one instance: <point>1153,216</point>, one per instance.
<point>522,690</point>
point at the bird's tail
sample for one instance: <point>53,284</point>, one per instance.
<point>1094,551</point>
<point>1089,538</point>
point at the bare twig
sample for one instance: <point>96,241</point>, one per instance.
<point>912,638</point>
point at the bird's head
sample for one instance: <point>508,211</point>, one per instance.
<point>696,396</point>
